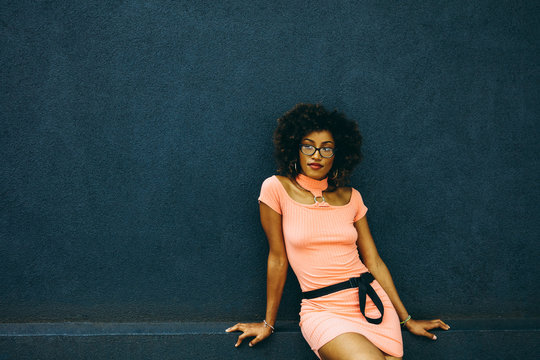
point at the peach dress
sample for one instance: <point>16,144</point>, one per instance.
<point>320,240</point>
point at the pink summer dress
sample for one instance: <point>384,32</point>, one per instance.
<point>320,240</point>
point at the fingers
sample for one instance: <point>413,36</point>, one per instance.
<point>437,324</point>
<point>420,327</point>
<point>232,328</point>
<point>430,335</point>
<point>443,325</point>
<point>237,327</point>
<point>240,339</point>
<point>255,341</point>
<point>433,324</point>
<point>257,330</point>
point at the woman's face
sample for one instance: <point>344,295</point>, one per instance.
<point>316,166</point>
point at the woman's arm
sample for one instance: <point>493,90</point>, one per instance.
<point>376,266</point>
<point>277,261</point>
<point>275,278</point>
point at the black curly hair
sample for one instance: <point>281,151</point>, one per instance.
<point>303,119</point>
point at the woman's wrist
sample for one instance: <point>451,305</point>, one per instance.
<point>404,322</point>
<point>271,327</point>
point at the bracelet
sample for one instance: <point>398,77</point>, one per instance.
<point>268,325</point>
<point>405,321</point>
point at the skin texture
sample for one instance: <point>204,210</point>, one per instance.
<point>349,345</point>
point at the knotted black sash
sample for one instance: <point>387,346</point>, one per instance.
<point>363,283</point>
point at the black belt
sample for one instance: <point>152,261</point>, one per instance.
<point>364,289</point>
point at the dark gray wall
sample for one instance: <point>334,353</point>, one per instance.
<point>135,136</point>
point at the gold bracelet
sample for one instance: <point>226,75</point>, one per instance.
<point>405,321</point>
<point>268,325</point>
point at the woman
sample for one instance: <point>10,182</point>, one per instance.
<point>351,309</point>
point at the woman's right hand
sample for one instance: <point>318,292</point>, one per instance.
<point>258,330</point>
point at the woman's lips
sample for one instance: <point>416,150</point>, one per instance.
<point>315,166</point>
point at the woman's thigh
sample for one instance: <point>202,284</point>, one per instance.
<point>350,346</point>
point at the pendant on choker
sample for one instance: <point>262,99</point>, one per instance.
<point>315,197</point>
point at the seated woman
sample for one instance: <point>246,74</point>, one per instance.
<point>317,224</point>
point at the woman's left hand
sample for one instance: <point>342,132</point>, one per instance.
<point>421,327</point>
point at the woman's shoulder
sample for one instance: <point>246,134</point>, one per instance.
<point>347,194</point>
<point>285,181</point>
<point>355,194</point>
<point>277,181</point>
<point>274,179</point>
<point>271,194</point>
<point>340,196</point>
<point>274,182</point>
<point>356,198</point>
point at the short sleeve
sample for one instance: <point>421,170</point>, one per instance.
<point>270,194</point>
<point>361,208</point>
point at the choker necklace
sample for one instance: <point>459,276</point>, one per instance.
<point>316,187</point>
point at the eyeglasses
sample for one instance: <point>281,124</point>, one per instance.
<point>326,152</point>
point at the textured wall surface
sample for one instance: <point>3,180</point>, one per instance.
<point>135,135</point>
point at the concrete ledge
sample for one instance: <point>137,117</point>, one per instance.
<point>468,339</point>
